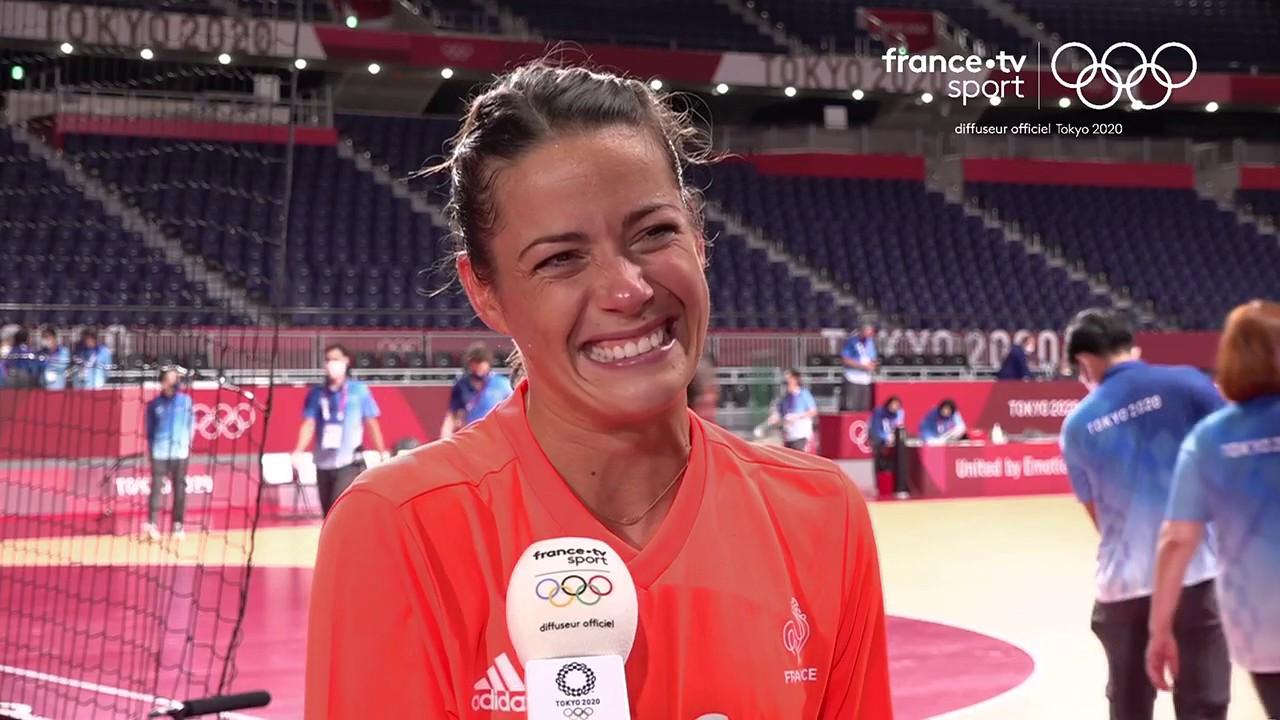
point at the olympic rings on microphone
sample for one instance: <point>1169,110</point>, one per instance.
<point>562,593</point>
<point>1123,85</point>
<point>580,713</point>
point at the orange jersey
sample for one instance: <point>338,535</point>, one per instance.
<point>759,597</point>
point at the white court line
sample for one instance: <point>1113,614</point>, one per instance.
<point>998,698</point>
<point>105,689</point>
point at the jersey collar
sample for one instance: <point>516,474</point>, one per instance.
<point>553,493</point>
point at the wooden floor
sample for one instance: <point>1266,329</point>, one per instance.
<point>1019,570</point>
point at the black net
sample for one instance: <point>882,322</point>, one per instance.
<point>143,206</point>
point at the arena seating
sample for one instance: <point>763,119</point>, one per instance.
<point>1193,260</point>
<point>1261,202</point>
<point>703,24</point>
<point>61,248</point>
<point>354,248</point>
<point>831,25</point>
<point>1225,34</point>
<point>920,259</point>
<point>460,15</point>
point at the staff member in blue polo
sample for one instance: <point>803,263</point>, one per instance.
<point>943,424</point>
<point>1228,474</point>
<point>478,391</point>
<point>860,359</point>
<point>795,412</point>
<point>1120,445</point>
<point>335,416</point>
<point>170,425</point>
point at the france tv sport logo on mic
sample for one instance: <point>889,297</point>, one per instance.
<point>1100,71</point>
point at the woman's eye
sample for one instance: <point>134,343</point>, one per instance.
<point>659,232</point>
<point>558,260</point>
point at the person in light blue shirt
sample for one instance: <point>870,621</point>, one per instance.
<point>860,358</point>
<point>1120,444</point>
<point>1228,474</point>
<point>335,416</point>
<point>943,424</point>
<point>795,412</point>
<point>479,390</point>
<point>170,426</point>
<point>885,422</point>
<point>54,361</point>
<point>92,361</point>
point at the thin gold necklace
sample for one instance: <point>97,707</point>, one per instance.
<point>628,522</point>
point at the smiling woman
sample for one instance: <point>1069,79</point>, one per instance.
<point>578,237</point>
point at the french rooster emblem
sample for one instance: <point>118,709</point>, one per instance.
<point>796,632</point>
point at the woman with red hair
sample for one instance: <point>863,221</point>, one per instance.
<point>1228,473</point>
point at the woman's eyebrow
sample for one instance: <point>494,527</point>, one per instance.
<point>639,214</point>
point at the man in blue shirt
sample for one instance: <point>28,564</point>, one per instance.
<point>1120,445</point>
<point>54,360</point>
<point>170,426</point>
<point>860,359</point>
<point>92,360</point>
<point>335,416</point>
<point>943,424</point>
<point>479,391</point>
<point>1228,474</point>
<point>795,412</point>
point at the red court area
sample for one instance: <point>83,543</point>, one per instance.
<point>936,668</point>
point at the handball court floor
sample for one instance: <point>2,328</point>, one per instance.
<point>989,604</point>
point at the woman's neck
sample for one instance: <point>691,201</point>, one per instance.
<point>619,473</point>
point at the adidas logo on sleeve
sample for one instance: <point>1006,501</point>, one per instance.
<point>501,689</point>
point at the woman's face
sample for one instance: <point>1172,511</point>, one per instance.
<point>598,274</point>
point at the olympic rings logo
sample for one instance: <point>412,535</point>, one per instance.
<point>223,420</point>
<point>860,435</point>
<point>1123,85</point>
<point>563,593</point>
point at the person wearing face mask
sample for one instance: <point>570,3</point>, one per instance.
<point>335,415</point>
<point>479,390</point>
<point>579,238</point>
<point>170,426</point>
<point>1120,445</point>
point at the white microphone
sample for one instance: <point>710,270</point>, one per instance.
<point>571,615</point>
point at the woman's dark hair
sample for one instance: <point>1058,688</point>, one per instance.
<point>948,403</point>
<point>478,352</point>
<point>1098,331</point>
<point>339,347</point>
<point>533,103</point>
<point>892,399</point>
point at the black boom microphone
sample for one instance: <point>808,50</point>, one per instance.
<point>214,705</point>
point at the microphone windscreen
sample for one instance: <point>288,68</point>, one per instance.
<point>571,597</point>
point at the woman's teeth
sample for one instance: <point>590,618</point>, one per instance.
<point>613,350</point>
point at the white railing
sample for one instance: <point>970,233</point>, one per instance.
<point>236,108</point>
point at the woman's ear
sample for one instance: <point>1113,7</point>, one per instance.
<point>483,296</point>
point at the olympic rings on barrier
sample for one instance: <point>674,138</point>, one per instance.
<point>223,420</point>
<point>1123,85</point>
<point>562,593</point>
